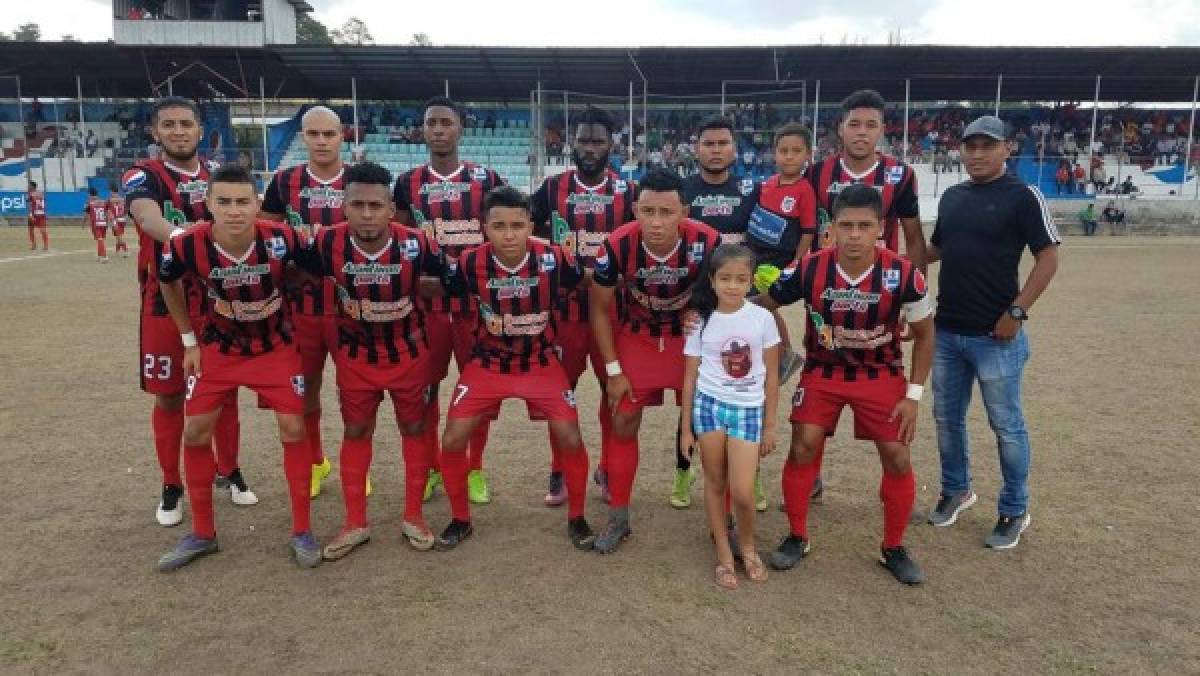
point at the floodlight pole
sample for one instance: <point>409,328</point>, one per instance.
<point>631,131</point>
<point>354,105</point>
<point>907,93</point>
<point>722,98</point>
<point>24,136</point>
<point>999,85</point>
<point>816,111</point>
<point>1092,138</point>
<point>1187,151</point>
<point>566,117</point>
<point>82,124</point>
<point>447,87</point>
<point>262,99</point>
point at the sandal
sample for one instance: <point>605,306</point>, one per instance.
<point>726,576</point>
<point>755,570</point>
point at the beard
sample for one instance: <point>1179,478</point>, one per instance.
<point>179,158</point>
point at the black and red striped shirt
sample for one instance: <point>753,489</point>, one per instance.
<point>378,317</point>
<point>579,217</point>
<point>516,324</point>
<point>785,212</point>
<point>894,180</point>
<point>853,327</point>
<point>180,194</point>
<point>448,208</point>
<point>655,290</point>
<point>307,202</point>
<point>245,312</point>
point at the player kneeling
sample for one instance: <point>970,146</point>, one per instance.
<point>513,281</point>
<point>382,344</point>
<point>857,294</point>
<point>247,342</point>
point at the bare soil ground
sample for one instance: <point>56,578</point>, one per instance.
<point>1101,582</point>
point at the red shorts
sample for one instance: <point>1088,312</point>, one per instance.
<point>449,334</point>
<point>37,222</point>
<point>653,365</point>
<point>361,387</point>
<point>819,401</point>
<point>575,345</point>
<point>119,228</point>
<point>99,232</point>
<point>316,336</point>
<point>161,351</point>
<point>480,392</point>
<point>275,376</point>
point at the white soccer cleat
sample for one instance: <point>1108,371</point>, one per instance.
<point>170,508</point>
<point>244,498</point>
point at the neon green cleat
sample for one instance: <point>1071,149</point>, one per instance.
<point>319,472</point>
<point>368,492</point>
<point>477,488</point>
<point>760,497</point>
<point>681,492</point>
<point>431,484</point>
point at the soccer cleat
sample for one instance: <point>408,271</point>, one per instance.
<point>600,477</point>
<point>319,472</point>
<point>124,253</point>
<point>431,484</point>
<point>557,493</point>
<point>345,542</point>
<point>369,489</point>
<point>170,508</point>
<point>1007,532</point>
<point>901,565</point>
<point>949,507</point>
<point>239,492</point>
<point>477,488</point>
<point>681,492</point>
<point>453,536</point>
<point>789,364</point>
<point>305,550</point>
<point>418,535</point>
<point>790,551</point>
<point>615,532</point>
<point>580,533</point>
<point>103,259</point>
<point>818,490</point>
<point>760,496</point>
<point>189,549</point>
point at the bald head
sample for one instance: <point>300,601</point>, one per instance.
<point>322,133</point>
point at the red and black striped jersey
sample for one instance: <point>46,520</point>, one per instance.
<point>785,212</point>
<point>96,212</point>
<point>116,209</point>
<point>245,314</point>
<point>578,217</point>
<point>894,180</point>
<point>378,317</point>
<point>516,324</point>
<point>448,208</point>
<point>180,194</point>
<point>655,290</point>
<point>853,324</point>
<point>37,204</point>
<point>307,202</point>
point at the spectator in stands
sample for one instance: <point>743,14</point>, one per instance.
<point>1062,179</point>
<point>1164,150</point>
<point>1127,187</point>
<point>1087,217</point>
<point>1099,176</point>
<point>1080,177</point>
<point>1114,216</point>
<point>91,143</point>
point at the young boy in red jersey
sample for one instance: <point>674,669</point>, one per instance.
<point>857,296</point>
<point>116,216</point>
<point>512,283</point>
<point>247,341</point>
<point>36,201</point>
<point>95,217</point>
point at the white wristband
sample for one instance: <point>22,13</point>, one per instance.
<point>189,339</point>
<point>914,392</point>
<point>613,368</point>
<point>176,232</point>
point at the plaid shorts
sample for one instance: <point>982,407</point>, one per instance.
<point>740,422</point>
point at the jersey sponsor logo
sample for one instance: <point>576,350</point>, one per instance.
<point>412,248</point>
<point>717,205</point>
<point>277,247</point>
<point>602,260</point>
<point>367,310</point>
<point>891,280</point>
<point>194,190</point>
<point>583,203</point>
<point>445,191</point>
<point>247,311</point>
<point>298,385</point>
<point>660,274</point>
<point>746,186</point>
<point>323,197</point>
<point>512,287</point>
<point>788,204</point>
<point>456,233</point>
<point>656,304</point>
<point>133,179</point>
<point>588,244</point>
<point>620,185</point>
<point>852,300</point>
<point>479,174</point>
<point>548,262</point>
<point>696,252</point>
<point>512,325</point>
<point>894,175</point>
<point>369,274</point>
<point>238,274</point>
<point>836,188</point>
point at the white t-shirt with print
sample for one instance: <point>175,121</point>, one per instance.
<point>730,348</point>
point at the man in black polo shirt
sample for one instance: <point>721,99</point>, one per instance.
<point>983,228</point>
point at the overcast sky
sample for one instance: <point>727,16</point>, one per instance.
<point>712,22</point>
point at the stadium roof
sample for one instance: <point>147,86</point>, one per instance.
<point>1129,74</point>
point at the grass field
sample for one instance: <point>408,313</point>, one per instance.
<point>1099,583</point>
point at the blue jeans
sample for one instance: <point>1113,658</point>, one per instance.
<point>957,363</point>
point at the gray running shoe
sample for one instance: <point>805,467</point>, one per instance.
<point>615,532</point>
<point>901,565</point>
<point>790,551</point>
<point>189,549</point>
<point>949,507</point>
<point>1007,532</point>
<point>305,550</point>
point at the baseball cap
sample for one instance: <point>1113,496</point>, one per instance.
<point>987,125</point>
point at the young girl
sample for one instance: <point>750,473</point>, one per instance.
<point>730,392</point>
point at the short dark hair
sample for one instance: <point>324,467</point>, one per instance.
<point>858,195</point>
<point>33,184</point>
<point>231,173</point>
<point>442,102</point>
<point>505,196</point>
<point>173,102</point>
<point>717,122</point>
<point>112,187</point>
<point>368,173</point>
<point>795,129</point>
<point>661,180</point>
<point>92,191</point>
<point>864,98</point>
<point>594,115</point>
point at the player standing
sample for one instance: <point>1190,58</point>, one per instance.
<point>656,259</point>
<point>784,222</point>
<point>164,196</point>
<point>856,294</point>
<point>247,341</point>
<point>95,217</point>
<point>37,216</point>
<point>379,344</point>
<point>116,216</point>
<point>307,197</point>
<point>577,209</point>
<point>514,281</point>
<point>445,198</point>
